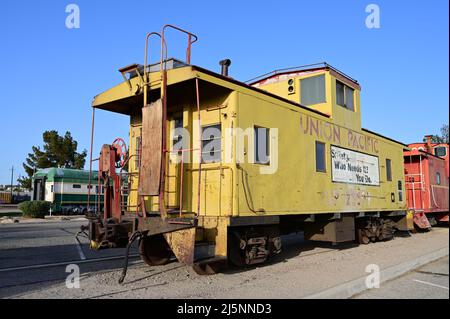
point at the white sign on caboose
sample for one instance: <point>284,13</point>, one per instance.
<point>354,167</point>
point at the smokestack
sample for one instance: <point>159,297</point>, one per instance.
<point>225,64</point>
<point>428,139</point>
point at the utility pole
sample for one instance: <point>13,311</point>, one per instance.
<point>12,179</point>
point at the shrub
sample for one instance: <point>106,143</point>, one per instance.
<point>34,209</point>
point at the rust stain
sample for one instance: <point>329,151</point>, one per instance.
<point>182,243</point>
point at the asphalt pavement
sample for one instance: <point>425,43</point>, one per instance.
<point>428,282</point>
<point>34,256</point>
<point>38,253</point>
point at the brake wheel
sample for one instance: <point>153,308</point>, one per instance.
<point>122,151</point>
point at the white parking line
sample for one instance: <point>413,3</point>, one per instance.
<point>64,263</point>
<point>80,252</point>
<point>430,284</point>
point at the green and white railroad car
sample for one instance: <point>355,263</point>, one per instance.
<point>67,189</point>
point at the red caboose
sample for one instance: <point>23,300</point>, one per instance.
<point>427,182</point>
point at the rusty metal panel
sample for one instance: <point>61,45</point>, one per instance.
<point>150,171</point>
<point>182,243</point>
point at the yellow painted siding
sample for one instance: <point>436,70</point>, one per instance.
<point>280,88</point>
<point>295,187</point>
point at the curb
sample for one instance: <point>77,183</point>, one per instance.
<point>62,217</point>
<point>351,288</point>
<point>46,219</point>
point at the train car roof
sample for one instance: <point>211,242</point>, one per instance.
<point>115,95</point>
<point>304,69</point>
<point>421,153</point>
<point>61,173</point>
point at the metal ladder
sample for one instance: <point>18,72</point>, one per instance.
<point>191,38</point>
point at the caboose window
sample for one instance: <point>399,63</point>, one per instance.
<point>312,90</point>
<point>345,96</point>
<point>440,151</point>
<point>211,143</point>
<point>320,157</point>
<point>340,100</point>
<point>262,148</point>
<point>388,170</point>
<point>349,103</point>
<point>177,138</point>
<point>438,178</point>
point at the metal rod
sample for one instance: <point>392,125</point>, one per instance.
<point>139,200</point>
<point>101,193</point>
<point>133,237</point>
<point>188,50</point>
<point>421,183</point>
<point>164,143</point>
<point>413,189</point>
<point>190,42</point>
<point>146,80</point>
<point>199,146</point>
<point>90,158</point>
<point>181,182</point>
<point>120,180</point>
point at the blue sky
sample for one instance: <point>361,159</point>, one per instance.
<point>50,73</point>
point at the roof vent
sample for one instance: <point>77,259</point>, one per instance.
<point>225,64</point>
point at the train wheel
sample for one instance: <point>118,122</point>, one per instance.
<point>362,237</point>
<point>210,267</point>
<point>253,246</point>
<point>154,250</point>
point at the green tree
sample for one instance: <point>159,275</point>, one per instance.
<point>57,151</point>
<point>443,138</point>
<point>444,133</point>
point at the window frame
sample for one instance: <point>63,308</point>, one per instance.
<point>348,88</point>
<point>203,127</point>
<point>177,124</point>
<point>255,159</point>
<point>345,88</point>
<point>324,89</point>
<point>388,169</point>
<point>324,157</point>
<point>400,190</point>
<point>76,186</point>
<point>440,147</point>
<point>343,93</point>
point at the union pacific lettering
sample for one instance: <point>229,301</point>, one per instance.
<point>332,133</point>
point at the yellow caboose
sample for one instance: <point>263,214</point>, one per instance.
<point>218,169</point>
